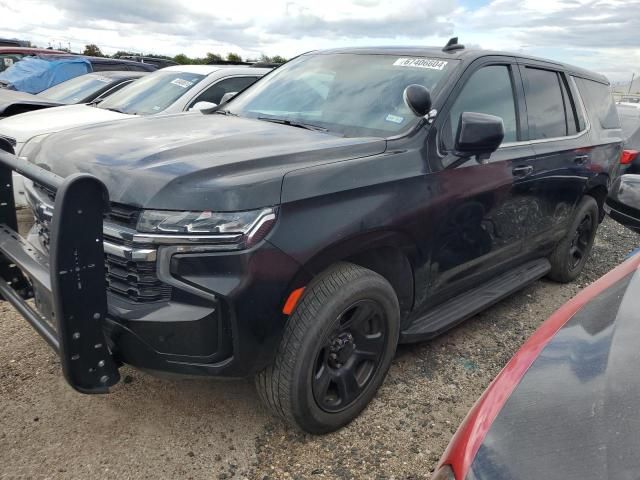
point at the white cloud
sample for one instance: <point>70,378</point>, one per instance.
<point>596,34</point>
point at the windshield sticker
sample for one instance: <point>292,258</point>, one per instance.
<point>8,62</point>
<point>394,118</point>
<point>421,63</point>
<point>182,83</point>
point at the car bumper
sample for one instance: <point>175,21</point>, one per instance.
<point>220,316</point>
<point>223,317</point>
<point>615,212</point>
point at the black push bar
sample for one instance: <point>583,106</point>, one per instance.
<point>68,283</point>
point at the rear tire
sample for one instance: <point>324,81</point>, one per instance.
<point>335,352</point>
<point>571,254</point>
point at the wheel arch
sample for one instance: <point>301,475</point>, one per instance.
<point>598,189</point>
<point>387,253</point>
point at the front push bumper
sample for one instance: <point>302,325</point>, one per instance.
<point>68,286</point>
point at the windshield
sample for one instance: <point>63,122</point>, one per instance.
<point>151,94</point>
<point>8,59</point>
<point>348,94</point>
<point>76,89</point>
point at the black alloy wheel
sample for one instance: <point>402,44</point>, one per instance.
<point>336,350</point>
<point>349,356</point>
<point>572,251</point>
<point>581,243</point>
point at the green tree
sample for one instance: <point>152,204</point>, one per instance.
<point>233,57</point>
<point>212,57</point>
<point>275,59</point>
<point>164,57</point>
<point>182,59</point>
<point>92,50</point>
<point>124,53</point>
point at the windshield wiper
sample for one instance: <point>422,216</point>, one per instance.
<point>293,123</point>
<point>225,112</point>
<point>117,110</point>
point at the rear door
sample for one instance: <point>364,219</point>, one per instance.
<point>555,179</point>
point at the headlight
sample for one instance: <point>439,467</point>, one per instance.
<point>31,147</point>
<point>244,229</point>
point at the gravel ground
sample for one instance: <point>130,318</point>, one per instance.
<point>200,429</point>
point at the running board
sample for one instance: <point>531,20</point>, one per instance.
<point>466,305</point>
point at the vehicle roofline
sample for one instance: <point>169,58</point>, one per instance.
<point>466,55</point>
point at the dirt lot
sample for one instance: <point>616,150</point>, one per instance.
<point>199,429</point>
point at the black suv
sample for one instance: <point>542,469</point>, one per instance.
<point>349,200</point>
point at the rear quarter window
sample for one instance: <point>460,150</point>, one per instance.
<point>599,103</point>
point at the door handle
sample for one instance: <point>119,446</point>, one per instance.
<point>581,159</point>
<point>523,171</point>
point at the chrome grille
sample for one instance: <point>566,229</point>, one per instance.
<point>122,215</point>
<point>132,272</point>
<point>135,280</point>
<point>130,269</point>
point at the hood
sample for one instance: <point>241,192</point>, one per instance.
<point>574,414</point>
<point>27,125</point>
<point>194,161</point>
<point>11,101</point>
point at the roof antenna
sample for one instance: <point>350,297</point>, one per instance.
<point>452,45</point>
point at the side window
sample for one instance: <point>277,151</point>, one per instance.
<point>216,91</point>
<point>545,104</point>
<point>579,103</point>
<point>569,108</point>
<point>489,90</point>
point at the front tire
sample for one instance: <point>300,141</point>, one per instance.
<point>570,255</point>
<point>335,352</point>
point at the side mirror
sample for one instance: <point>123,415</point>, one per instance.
<point>202,106</point>
<point>418,99</point>
<point>227,96</point>
<point>478,135</point>
<point>623,202</point>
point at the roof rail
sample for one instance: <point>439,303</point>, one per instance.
<point>452,45</point>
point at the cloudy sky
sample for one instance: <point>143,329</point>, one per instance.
<point>602,35</point>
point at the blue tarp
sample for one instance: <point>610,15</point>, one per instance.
<point>35,74</point>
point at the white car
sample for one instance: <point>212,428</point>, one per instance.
<point>169,90</point>
<point>630,101</point>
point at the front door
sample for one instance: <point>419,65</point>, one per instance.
<point>478,227</point>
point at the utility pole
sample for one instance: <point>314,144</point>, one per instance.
<point>632,77</point>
